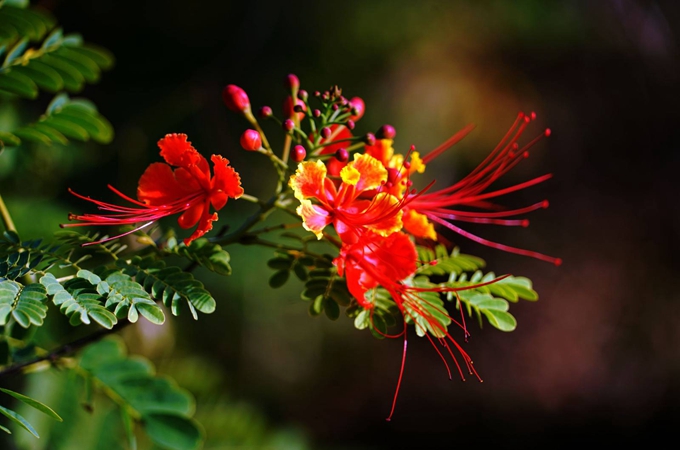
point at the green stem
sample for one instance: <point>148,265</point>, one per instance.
<point>6,217</point>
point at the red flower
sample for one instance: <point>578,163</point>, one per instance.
<point>390,263</point>
<point>163,191</point>
<point>472,192</point>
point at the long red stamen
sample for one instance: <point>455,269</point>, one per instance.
<point>401,374</point>
<point>448,143</point>
<point>507,248</point>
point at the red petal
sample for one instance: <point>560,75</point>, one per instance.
<point>158,186</point>
<point>192,215</point>
<point>225,179</point>
<point>178,151</point>
<point>204,226</point>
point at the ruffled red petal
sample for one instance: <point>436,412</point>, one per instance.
<point>226,180</point>
<point>178,151</point>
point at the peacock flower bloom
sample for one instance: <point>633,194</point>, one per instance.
<point>162,191</point>
<point>442,207</point>
<point>390,262</point>
<point>354,206</point>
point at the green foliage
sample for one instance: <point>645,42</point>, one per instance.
<point>160,407</point>
<point>202,252</point>
<point>19,419</point>
<point>65,119</point>
<point>61,62</point>
<point>26,304</point>
<point>176,288</point>
<point>440,262</point>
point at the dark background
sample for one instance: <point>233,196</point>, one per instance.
<point>596,358</point>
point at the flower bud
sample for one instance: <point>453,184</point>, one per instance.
<point>303,95</point>
<point>317,94</point>
<point>316,113</point>
<point>288,125</point>
<point>251,140</point>
<point>369,139</point>
<point>325,132</point>
<point>289,107</point>
<point>350,124</point>
<point>386,132</point>
<point>235,98</point>
<point>298,154</point>
<point>292,82</point>
<point>358,108</point>
<point>265,112</point>
<point>342,155</point>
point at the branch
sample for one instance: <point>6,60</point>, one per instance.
<point>65,349</point>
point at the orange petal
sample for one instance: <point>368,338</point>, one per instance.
<point>158,186</point>
<point>308,180</point>
<point>418,225</point>
<point>382,150</point>
<point>384,215</point>
<point>178,151</point>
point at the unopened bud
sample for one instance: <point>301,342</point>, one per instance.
<point>350,124</point>
<point>251,140</point>
<point>235,98</point>
<point>358,108</point>
<point>369,139</point>
<point>342,155</point>
<point>288,125</point>
<point>386,132</point>
<point>316,113</point>
<point>265,112</point>
<point>289,109</point>
<point>292,82</point>
<point>325,132</point>
<point>298,154</point>
<point>303,95</point>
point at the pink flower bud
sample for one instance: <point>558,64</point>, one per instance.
<point>292,82</point>
<point>235,98</point>
<point>342,155</point>
<point>316,113</point>
<point>303,95</point>
<point>386,132</point>
<point>350,124</point>
<point>298,154</point>
<point>325,132</point>
<point>251,140</point>
<point>265,112</point>
<point>358,108</point>
<point>369,139</point>
<point>288,125</point>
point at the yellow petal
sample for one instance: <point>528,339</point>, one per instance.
<point>373,173</point>
<point>308,180</point>
<point>418,225</point>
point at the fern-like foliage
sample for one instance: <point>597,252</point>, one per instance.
<point>26,304</point>
<point>176,288</point>
<point>202,252</point>
<point>35,56</point>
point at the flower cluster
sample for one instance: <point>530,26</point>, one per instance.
<point>352,191</point>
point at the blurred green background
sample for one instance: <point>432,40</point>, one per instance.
<point>598,357</point>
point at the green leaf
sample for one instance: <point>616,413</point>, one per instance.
<point>34,404</point>
<point>15,52</point>
<point>44,77</point>
<point>8,139</point>
<point>102,57</point>
<point>33,135</point>
<point>502,320</point>
<point>279,278</point>
<point>331,308</point>
<point>17,83</point>
<point>68,127</point>
<point>173,432</point>
<point>26,304</point>
<point>18,419</point>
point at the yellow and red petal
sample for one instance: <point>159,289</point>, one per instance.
<point>308,180</point>
<point>418,225</point>
<point>350,175</point>
<point>225,180</point>
<point>384,215</point>
<point>158,186</point>
<point>178,151</point>
<point>372,171</point>
<point>314,218</point>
